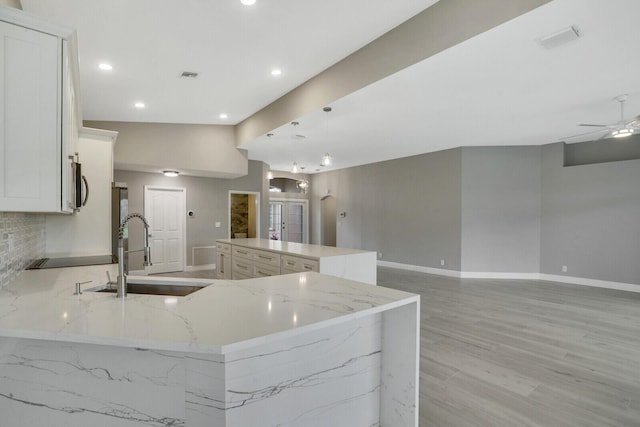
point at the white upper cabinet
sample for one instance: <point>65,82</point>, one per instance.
<point>39,119</point>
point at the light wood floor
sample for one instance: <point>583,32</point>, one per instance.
<point>523,353</point>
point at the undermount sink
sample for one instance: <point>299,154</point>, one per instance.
<point>151,287</point>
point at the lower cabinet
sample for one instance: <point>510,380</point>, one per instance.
<point>251,258</point>
<point>294,264</point>
<point>249,263</point>
<point>223,261</point>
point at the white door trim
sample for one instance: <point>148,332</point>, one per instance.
<point>305,202</point>
<point>255,193</point>
<point>183,191</point>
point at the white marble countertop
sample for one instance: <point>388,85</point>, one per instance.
<point>297,249</point>
<point>224,316</point>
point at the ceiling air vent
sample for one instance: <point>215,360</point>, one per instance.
<point>559,37</point>
<point>188,75</point>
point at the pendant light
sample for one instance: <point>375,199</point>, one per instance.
<point>303,183</point>
<point>294,169</point>
<point>326,159</point>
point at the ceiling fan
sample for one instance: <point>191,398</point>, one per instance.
<point>620,129</point>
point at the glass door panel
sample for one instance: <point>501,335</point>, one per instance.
<point>287,221</point>
<point>275,220</point>
<point>295,230</point>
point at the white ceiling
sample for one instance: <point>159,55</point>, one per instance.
<point>499,88</point>
<point>232,47</point>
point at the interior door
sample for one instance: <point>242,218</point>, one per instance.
<point>165,211</point>
<point>288,221</point>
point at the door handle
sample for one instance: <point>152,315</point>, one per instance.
<point>86,190</point>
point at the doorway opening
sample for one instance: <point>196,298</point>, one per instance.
<point>328,212</point>
<point>289,220</point>
<point>244,214</point>
<point>164,209</point>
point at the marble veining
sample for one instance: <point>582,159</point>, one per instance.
<point>295,350</point>
<point>61,383</point>
<point>216,319</point>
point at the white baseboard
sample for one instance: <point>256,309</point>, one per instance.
<point>200,267</point>
<point>419,268</point>
<point>498,275</point>
<point>621,286</point>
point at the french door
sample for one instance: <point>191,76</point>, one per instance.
<point>289,220</point>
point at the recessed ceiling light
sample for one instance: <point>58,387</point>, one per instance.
<point>276,72</point>
<point>223,116</point>
<point>171,173</point>
<point>248,2</point>
<point>105,67</point>
<point>139,105</point>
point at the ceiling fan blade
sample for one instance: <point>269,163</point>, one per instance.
<point>583,134</point>
<point>633,122</point>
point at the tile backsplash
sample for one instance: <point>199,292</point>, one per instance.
<point>22,239</point>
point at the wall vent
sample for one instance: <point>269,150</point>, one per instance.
<point>560,37</point>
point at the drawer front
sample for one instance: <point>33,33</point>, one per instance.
<point>265,270</point>
<point>241,266</point>
<point>297,264</point>
<point>223,248</point>
<point>240,276</point>
<point>242,252</point>
<point>266,257</point>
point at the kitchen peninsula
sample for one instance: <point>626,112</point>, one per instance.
<point>300,349</point>
<point>247,258</point>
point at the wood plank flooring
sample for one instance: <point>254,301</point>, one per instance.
<point>523,353</point>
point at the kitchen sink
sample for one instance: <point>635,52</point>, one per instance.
<point>151,287</point>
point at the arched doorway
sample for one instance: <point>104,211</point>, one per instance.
<point>328,212</point>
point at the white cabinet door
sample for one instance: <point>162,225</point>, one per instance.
<point>30,142</point>
<point>70,131</point>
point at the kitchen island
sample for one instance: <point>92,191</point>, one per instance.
<point>297,350</point>
<point>248,258</point>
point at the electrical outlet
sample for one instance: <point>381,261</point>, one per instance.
<point>379,255</point>
<point>442,262</point>
<point>564,268</point>
<point>217,224</point>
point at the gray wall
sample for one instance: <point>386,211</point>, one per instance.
<point>409,209</point>
<point>601,151</point>
<point>492,209</point>
<point>501,209</point>
<point>12,3</point>
<point>207,197</point>
<point>590,218</point>
<point>197,150</point>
